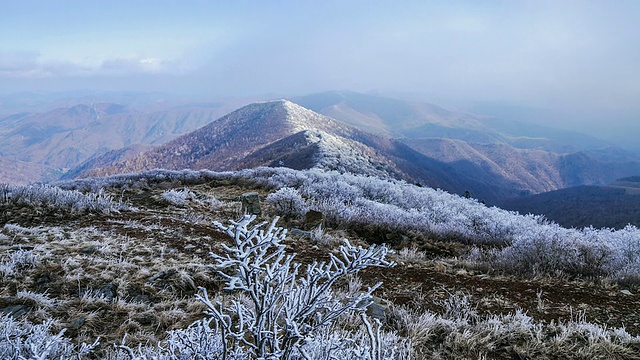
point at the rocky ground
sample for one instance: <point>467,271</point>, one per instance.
<point>136,272</point>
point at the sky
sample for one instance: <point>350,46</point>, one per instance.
<point>562,53</point>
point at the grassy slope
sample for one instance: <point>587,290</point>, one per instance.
<point>136,272</point>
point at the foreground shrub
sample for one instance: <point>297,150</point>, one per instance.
<point>23,340</point>
<point>279,311</point>
<point>284,308</point>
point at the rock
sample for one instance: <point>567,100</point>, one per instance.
<point>107,291</point>
<point>77,323</point>
<point>301,233</point>
<point>162,275</point>
<point>251,203</point>
<point>138,295</point>
<point>404,240</point>
<point>141,299</point>
<point>397,239</point>
<point>146,319</point>
<point>378,309</point>
<point>626,292</point>
<point>90,250</point>
<point>15,311</point>
<point>313,219</point>
<point>9,300</point>
<point>43,279</point>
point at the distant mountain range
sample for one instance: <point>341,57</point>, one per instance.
<point>418,120</point>
<point>493,159</point>
<point>282,133</point>
<point>275,133</point>
<point>51,143</point>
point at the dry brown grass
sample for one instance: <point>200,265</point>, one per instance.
<point>136,273</point>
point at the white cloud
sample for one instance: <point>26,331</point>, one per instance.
<point>140,65</point>
<point>32,65</point>
<point>17,61</point>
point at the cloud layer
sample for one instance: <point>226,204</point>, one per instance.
<point>552,53</point>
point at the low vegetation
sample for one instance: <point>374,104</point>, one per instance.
<point>133,278</point>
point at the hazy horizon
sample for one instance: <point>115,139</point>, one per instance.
<point>572,57</point>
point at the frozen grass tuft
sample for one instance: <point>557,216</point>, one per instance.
<point>40,300</point>
<point>178,197</point>
<point>460,333</point>
<point>411,255</point>
<point>17,261</point>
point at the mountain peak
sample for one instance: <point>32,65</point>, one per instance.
<point>273,101</point>
<point>282,116</point>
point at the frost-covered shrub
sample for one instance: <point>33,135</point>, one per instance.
<point>526,243</point>
<point>369,344</point>
<point>56,198</point>
<point>288,202</point>
<point>23,340</point>
<point>553,249</point>
<point>198,341</point>
<point>286,307</point>
<point>143,179</point>
<point>202,341</point>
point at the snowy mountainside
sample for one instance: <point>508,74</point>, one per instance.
<point>319,149</point>
<point>243,137</point>
<point>266,134</point>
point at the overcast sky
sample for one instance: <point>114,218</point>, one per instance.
<point>575,54</point>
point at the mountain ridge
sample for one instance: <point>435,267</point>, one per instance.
<point>281,133</point>
<point>103,138</point>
